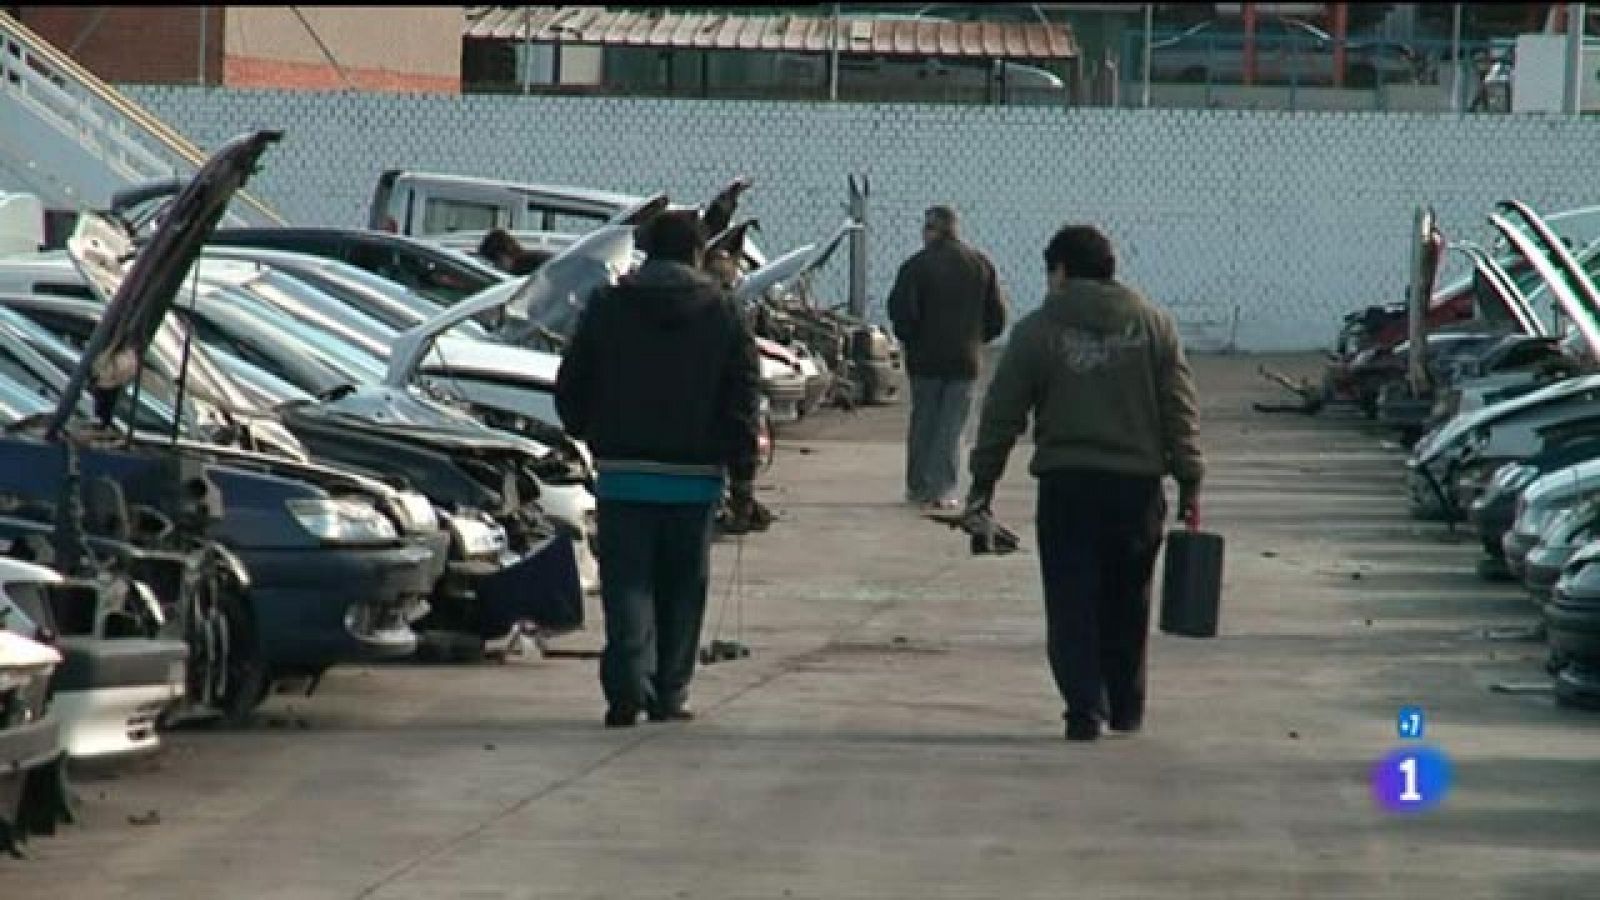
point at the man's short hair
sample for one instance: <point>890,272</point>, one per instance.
<point>498,242</point>
<point>942,219</point>
<point>678,236</point>
<point>1083,252</point>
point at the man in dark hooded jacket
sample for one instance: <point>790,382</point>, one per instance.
<point>662,379</point>
<point>946,304</point>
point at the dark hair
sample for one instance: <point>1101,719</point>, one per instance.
<point>941,219</point>
<point>498,242</point>
<point>678,236</point>
<point>1083,252</point>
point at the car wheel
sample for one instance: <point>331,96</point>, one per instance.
<point>226,669</point>
<point>248,680</point>
<point>1362,76</point>
<point>1193,75</point>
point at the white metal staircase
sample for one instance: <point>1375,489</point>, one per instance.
<point>74,140</point>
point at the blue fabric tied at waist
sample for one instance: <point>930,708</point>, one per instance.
<point>658,487</point>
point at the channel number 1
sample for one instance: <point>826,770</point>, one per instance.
<point>1408,768</point>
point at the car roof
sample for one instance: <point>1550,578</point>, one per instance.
<point>360,235</point>
<point>587,195</point>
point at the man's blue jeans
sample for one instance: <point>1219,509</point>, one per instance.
<point>939,410</point>
<point>655,569</point>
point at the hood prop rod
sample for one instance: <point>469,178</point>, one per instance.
<point>183,361</point>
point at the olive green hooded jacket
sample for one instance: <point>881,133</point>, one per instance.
<point>1101,372</point>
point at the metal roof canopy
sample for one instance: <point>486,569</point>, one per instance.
<point>859,35</point>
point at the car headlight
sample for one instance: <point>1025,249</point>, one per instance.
<point>1515,477</point>
<point>341,520</point>
<point>415,513</point>
<point>478,537</point>
<point>559,468</point>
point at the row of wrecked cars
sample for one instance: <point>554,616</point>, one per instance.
<point>1500,412</point>
<point>228,466</point>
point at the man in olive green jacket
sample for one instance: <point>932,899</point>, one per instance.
<point>1102,373</point>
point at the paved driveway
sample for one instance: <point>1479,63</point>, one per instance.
<point>896,735</point>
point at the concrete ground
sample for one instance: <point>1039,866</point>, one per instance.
<point>896,735</point>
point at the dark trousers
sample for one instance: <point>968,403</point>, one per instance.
<point>1099,533</point>
<point>655,568</point>
<point>939,410</point>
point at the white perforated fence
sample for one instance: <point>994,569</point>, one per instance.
<point>1257,228</point>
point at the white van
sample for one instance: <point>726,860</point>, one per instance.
<point>430,205</point>
<point>21,224</point>
<point>423,204</point>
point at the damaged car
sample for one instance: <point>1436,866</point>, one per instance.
<point>124,667</point>
<point>33,795</point>
<point>279,531</point>
<point>484,593</point>
<point>1452,461</point>
<point>857,363</point>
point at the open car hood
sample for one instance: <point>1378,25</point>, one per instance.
<point>1582,315</point>
<point>1488,271</point>
<point>397,412</point>
<point>792,265</point>
<point>550,298</point>
<point>1579,310</point>
<point>139,300</point>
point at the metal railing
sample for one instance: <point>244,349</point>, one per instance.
<point>1208,68</point>
<point>75,140</point>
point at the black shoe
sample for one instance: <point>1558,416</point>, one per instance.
<point>1083,729</point>
<point>621,718</point>
<point>676,714</point>
<point>1126,725</point>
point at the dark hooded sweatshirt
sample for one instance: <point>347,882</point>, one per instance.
<point>662,379</point>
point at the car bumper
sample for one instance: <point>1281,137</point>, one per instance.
<point>784,398</point>
<point>111,693</point>
<point>1516,546</point>
<point>315,609</point>
<point>1427,493</point>
<point>572,509</point>
<point>1573,623</point>
<point>816,391</point>
<point>1492,519</point>
<point>1401,412</point>
<point>543,587</point>
<point>881,380</point>
<point>25,748</point>
<point>1542,569</point>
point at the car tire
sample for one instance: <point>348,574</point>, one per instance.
<point>248,680</point>
<point>1362,76</point>
<point>225,658</point>
<point>1193,75</point>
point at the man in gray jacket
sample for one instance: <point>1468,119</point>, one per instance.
<point>945,305</point>
<point>1102,373</point>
